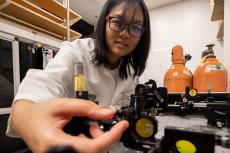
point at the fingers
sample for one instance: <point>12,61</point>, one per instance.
<point>101,143</point>
<point>111,136</point>
<point>80,107</point>
<point>95,130</point>
<point>77,107</point>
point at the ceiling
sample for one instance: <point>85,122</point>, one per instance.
<point>89,10</point>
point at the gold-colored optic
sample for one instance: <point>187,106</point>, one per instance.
<point>144,127</point>
<point>185,146</point>
<point>80,82</point>
<point>192,92</point>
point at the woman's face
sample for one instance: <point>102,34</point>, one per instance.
<point>122,43</point>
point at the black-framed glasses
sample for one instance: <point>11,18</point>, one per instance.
<point>117,25</point>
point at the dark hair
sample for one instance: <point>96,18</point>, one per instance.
<point>137,58</point>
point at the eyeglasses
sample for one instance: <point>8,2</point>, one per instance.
<point>117,25</point>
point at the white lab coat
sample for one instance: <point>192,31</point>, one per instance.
<point>57,79</point>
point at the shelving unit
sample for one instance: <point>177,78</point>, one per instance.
<point>220,33</point>
<point>217,8</point>
<point>57,9</point>
<point>217,13</point>
<point>1,2</point>
<point>40,18</point>
<point>39,10</point>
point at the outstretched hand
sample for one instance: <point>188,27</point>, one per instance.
<point>41,125</point>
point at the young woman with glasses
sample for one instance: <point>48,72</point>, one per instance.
<point>117,53</point>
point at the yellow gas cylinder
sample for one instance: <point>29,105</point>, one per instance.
<point>210,75</point>
<point>178,77</point>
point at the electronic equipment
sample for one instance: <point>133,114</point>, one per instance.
<point>187,140</point>
<point>142,122</point>
<point>214,106</point>
<point>142,125</point>
<point>147,102</point>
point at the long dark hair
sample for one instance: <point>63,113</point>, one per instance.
<point>137,58</point>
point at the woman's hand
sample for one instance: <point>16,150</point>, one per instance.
<point>41,125</point>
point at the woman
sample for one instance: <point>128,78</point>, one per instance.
<point>117,53</point>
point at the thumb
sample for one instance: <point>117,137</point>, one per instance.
<point>112,136</point>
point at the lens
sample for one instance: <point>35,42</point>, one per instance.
<point>144,127</point>
<point>185,146</point>
<point>135,29</point>
<point>193,92</point>
<point>116,24</point>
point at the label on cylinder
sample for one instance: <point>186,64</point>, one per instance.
<point>187,72</point>
<point>215,67</point>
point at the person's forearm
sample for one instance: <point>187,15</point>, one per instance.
<point>20,116</point>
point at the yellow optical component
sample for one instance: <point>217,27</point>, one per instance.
<point>38,45</point>
<point>144,127</point>
<point>141,90</point>
<point>185,146</point>
<point>192,92</point>
<point>79,82</point>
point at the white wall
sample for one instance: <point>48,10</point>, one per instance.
<point>227,37</point>
<point>20,31</point>
<point>186,23</point>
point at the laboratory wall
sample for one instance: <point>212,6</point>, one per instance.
<point>187,23</point>
<point>227,37</point>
